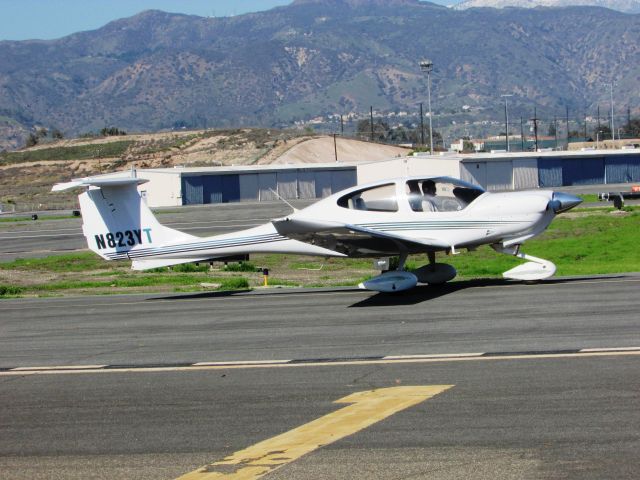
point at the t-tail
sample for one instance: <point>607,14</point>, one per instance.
<point>118,225</point>
<point>116,220</point>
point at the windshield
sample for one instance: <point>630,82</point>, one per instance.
<point>441,194</point>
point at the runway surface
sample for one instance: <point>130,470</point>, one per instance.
<point>530,403</point>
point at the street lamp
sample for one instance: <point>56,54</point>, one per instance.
<point>613,131</point>
<point>506,118</point>
<point>427,67</point>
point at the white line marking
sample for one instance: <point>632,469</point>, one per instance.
<point>58,367</point>
<point>439,355</point>
<point>252,365</point>
<point>616,349</point>
<point>241,362</point>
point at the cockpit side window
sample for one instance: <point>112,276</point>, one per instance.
<point>442,194</point>
<point>381,198</point>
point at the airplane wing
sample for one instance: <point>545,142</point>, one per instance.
<point>429,243</point>
<point>353,239</point>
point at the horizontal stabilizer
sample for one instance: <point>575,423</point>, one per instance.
<point>98,182</point>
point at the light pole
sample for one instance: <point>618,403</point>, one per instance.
<point>427,66</point>
<point>613,131</point>
<point>506,118</point>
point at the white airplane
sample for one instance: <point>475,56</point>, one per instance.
<point>387,218</point>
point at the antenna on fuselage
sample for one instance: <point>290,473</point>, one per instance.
<point>280,198</point>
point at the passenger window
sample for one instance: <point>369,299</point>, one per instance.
<point>377,199</point>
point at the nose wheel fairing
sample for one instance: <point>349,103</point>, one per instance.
<point>535,268</point>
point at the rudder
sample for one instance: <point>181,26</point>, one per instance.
<point>116,219</point>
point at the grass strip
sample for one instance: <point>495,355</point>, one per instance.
<point>77,152</point>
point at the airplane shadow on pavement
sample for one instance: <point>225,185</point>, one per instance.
<point>419,294</point>
<point>425,293</point>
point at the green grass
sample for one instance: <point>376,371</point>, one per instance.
<point>240,267</point>
<point>589,197</point>
<point>596,243</point>
<point>73,262</point>
<point>78,152</point>
<point>141,280</point>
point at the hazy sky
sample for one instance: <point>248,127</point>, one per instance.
<point>47,19</point>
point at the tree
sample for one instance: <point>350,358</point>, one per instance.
<point>632,129</point>
<point>552,129</point>
<point>467,145</point>
<point>603,134</point>
<point>112,132</point>
<point>380,129</point>
<point>32,140</point>
<point>57,134</point>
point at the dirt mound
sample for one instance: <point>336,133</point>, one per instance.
<point>323,150</point>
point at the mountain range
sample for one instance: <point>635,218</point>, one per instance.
<point>625,6</point>
<point>158,70</point>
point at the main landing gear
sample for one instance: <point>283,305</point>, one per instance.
<point>399,280</point>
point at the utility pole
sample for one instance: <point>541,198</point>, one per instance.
<point>427,67</point>
<point>506,119</point>
<point>598,118</point>
<point>585,126</point>
<point>521,134</point>
<point>555,129</point>
<point>341,126</point>
<point>535,126</point>
<point>613,132</point>
<point>567,123</point>
<point>371,121</point>
<point>421,125</point>
<point>335,146</point>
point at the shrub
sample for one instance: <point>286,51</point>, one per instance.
<point>240,267</point>
<point>9,290</point>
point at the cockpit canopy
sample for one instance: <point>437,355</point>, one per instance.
<point>437,194</point>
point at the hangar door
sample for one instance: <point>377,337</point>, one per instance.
<point>622,169</point>
<point>287,184</point>
<point>582,171</point>
<point>525,173</point>
<point>550,172</point>
<point>267,184</point>
<point>306,184</point>
<point>474,172</point>
<point>341,179</point>
<point>192,191</point>
<point>499,176</point>
<point>202,189</point>
<point>323,184</point>
<point>248,187</point>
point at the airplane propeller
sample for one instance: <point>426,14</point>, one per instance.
<point>562,202</point>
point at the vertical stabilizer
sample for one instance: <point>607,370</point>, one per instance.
<point>117,220</point>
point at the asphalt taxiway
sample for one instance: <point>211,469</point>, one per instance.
<point>536,381</point>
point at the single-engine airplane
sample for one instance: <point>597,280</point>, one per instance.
<point>387,218</point>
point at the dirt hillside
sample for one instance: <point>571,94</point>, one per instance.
<point>26,176</point>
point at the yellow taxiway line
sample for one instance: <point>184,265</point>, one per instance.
<point>366,408</point>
